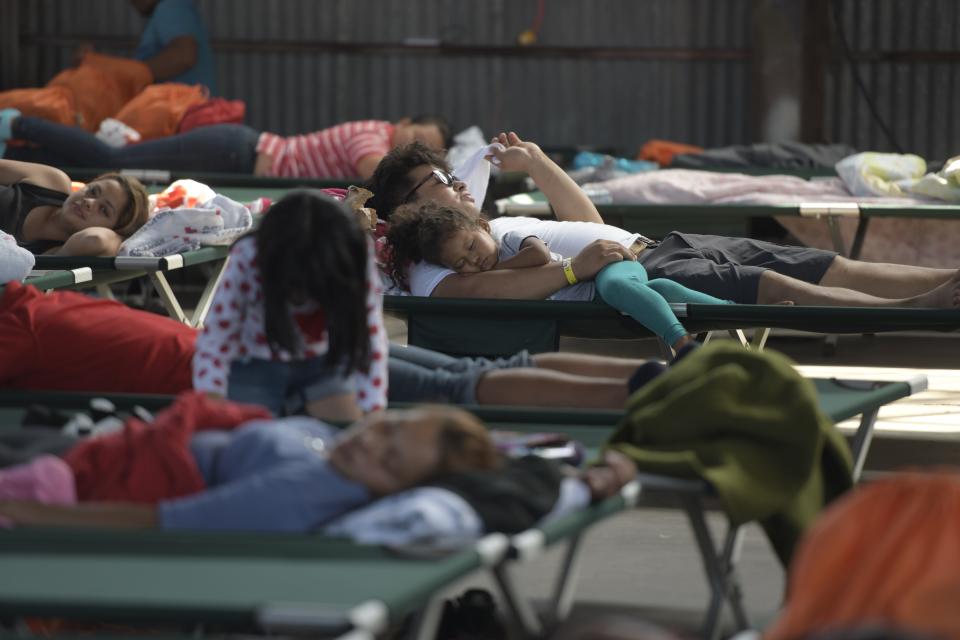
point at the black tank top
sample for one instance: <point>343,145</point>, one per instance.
<point>16,201</point>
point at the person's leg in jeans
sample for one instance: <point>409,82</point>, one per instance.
<point>226,147</point>
<point>499,384</point>
<point>436,360</point>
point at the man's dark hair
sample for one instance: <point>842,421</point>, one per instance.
<point>391,181</point>
<point>439,122</point>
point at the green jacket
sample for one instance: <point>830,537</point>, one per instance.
<point>750,425</point>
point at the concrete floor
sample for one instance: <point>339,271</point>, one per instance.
<point>645,562</point>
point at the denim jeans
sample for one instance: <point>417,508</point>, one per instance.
<point>286,387</point>
<point>228,148</point>
<point>421,375</point>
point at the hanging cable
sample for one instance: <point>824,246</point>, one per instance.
<point>837,15</point>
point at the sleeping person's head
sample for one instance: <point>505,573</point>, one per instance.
<point>452,236</point>
<point>311,250</point>
<point>112,200</point>
<point>391,451</point>
<point>432,131</point>
<point>413,174</point>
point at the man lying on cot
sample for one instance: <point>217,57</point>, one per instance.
<point>38,209</point>
<point>739,269</point>
<point>204,465</point>
<point>68,341</point>
<point>346,150</point>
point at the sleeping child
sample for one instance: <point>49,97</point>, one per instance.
<point>448,236</point>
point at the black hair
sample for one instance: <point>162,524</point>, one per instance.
<point>391,181</point>
<point>311,249</point>
<point>418,231</point>
<point>441,123</point>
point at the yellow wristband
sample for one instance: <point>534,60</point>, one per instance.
<point>568,271</point>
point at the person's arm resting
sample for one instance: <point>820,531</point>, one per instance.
<point>106,515</point>
<point>14,171</point>
<point>178,56</point>
<point>534,283</point>
<point>92,241</point>
<point>533,253</point>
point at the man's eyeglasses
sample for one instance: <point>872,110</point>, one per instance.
<point>443,177</point>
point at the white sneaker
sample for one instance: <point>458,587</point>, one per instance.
<point>117,134</point>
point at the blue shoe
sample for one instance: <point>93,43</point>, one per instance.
<point>7,116</point>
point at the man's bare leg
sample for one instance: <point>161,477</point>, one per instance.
<point>588,365</point>
<point>884,280</point>
<point>775,287</point>
<point>545,388</point>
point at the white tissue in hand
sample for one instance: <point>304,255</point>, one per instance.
<point>117,134</point>
<point>15,261</point>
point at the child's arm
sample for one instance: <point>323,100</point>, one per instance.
<point>568,200</point>
<point>14,171</point>
<point>220,342</point>
<point>533,253</point>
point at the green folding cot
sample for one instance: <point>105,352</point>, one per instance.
<point>49,279</point>
<point>107,270</point>
<point>494,327</point>
<point>840,399</point>
<point>656,220</point>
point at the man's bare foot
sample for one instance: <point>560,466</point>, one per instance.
<point>945,296</point>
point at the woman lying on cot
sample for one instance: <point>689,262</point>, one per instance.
<point>453,238</point>
<point>39,210</point>
<point>346,150</point>
<point>291,475</point>
<point>744,270</point>
<point>297,315</point>
<point>68,341</point>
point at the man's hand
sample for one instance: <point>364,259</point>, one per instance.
<point>518,155</point>
<point>606,479</point>
<point>596,255</point>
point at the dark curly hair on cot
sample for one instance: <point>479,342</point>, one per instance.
<point>418,231</point>
<point>310,248</point>
<point>441,123</point>
<point>391,181</point>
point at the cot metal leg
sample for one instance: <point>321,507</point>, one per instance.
<point>203,306</point>
<point>521,610</point>
<point>566,584</point>
<point>428,620</point>
<point>760,336</point>
<point>738,334</point>
<point>861,441</point>
<point>718,576</point>
<point>167,297</point>
<point>105,292</point>
<point>838,243</point>
<point>729,559</point>
<point>858,238</point>
<point>704,337</point>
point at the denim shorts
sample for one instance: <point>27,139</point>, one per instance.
<point>287,387</point>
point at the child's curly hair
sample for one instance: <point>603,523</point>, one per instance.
<point>418,232</point>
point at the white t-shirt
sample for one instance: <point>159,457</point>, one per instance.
<point>564,238</point>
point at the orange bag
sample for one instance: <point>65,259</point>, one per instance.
<point>50,103</point>
<point>101,85</point>
<point>213,111</point>
<point>662,151</point>
<point>157,110</point>
<point>887,553</point>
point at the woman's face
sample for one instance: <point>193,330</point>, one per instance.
<point>435,190</point>
<point>390,451</point>
<point>98,204</point>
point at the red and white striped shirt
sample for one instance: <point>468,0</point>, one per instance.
<point>234,329</point>
<point>330,153</point>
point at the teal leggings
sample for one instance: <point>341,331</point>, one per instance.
<point>624,286</point>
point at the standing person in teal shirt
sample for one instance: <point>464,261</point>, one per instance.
<point>175,44</point>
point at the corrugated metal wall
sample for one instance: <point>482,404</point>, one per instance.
<point>617,102</point>
<point>558,101</point>
<point>917,100</point>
